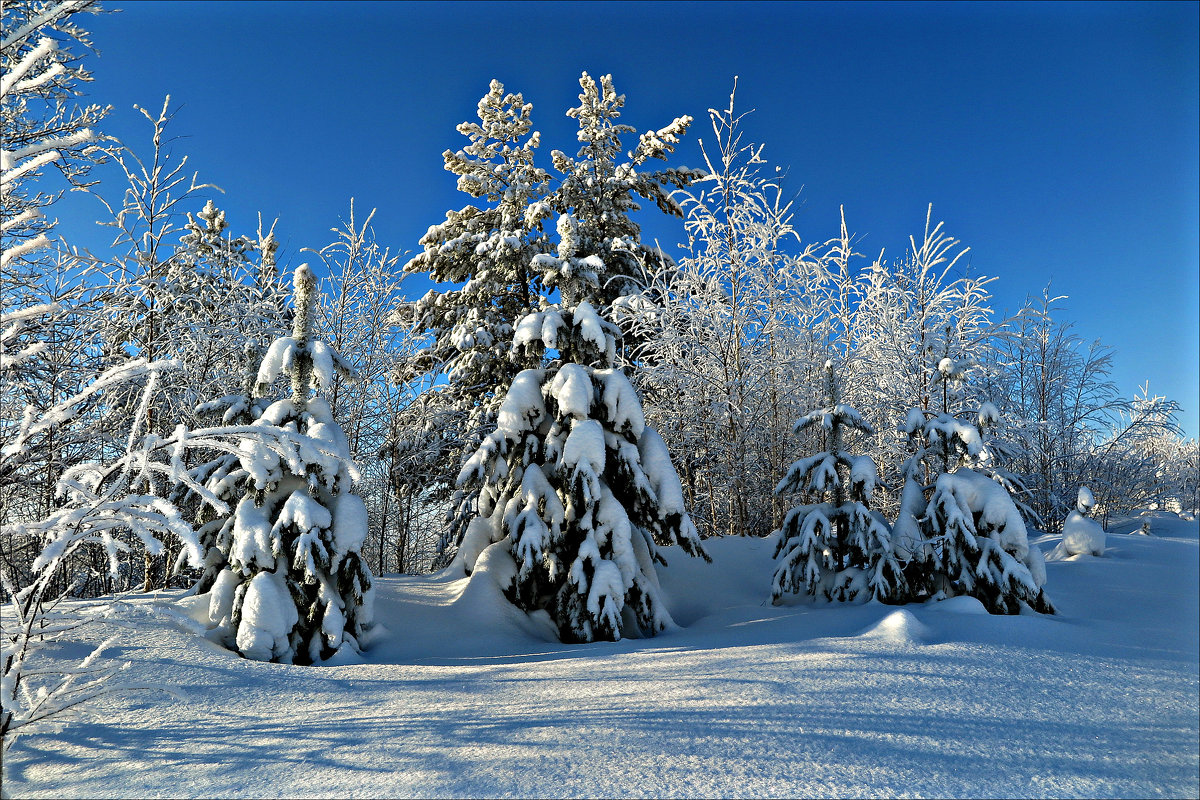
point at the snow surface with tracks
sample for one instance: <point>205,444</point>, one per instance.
<point>464,696</point>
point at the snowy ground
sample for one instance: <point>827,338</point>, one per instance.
<point>466,697</point>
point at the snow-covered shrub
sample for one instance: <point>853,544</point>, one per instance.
<point>839,549</point>
<point>295,588</point>
<point>1081,535</point>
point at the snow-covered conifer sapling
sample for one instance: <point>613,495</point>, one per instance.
<point>1081,535</point>
<point>838,548</point>
<point>295,588</point>
<point>973,540</point>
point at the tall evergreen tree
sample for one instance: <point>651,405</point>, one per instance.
<point>487,248</point>
<point>492,248</point>
<point>599,184</point>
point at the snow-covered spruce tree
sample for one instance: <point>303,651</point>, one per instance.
<point>490,247</point>
<point>970,538</point>
<point>573,485</point>
<point>295,588</point>
<point>839,548</point>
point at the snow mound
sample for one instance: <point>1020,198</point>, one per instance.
<point>963,604</point>
<point>482,600</point>
<point>899,627</point>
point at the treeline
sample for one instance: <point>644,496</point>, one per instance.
<point>725,339</point>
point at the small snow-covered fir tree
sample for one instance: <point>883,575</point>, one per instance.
<point>572,483</point>
<point>839,548</point>
<point>1082,535</point>
<point>295,588</point>
<point>970,537</point>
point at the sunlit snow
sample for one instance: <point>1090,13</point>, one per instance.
<point>464,695</point>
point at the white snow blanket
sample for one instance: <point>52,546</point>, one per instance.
<point>465,696</point>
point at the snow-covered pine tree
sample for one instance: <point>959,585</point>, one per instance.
<point>295,588</point>
<point>971,538</point>
<point>838,548</point>
<point>572,483</point>
<point>598,187</point>
<point>487,247</point>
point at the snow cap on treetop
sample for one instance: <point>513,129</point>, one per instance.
<point>1085,500</point>
<point>305,282</point>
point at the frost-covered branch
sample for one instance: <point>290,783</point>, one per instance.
<point>40,125</point>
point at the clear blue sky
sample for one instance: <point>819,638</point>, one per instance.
<point>1059,141</point>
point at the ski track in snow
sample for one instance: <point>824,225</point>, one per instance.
<point>465,696</point>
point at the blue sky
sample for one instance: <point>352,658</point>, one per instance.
<point>1058,141</point>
